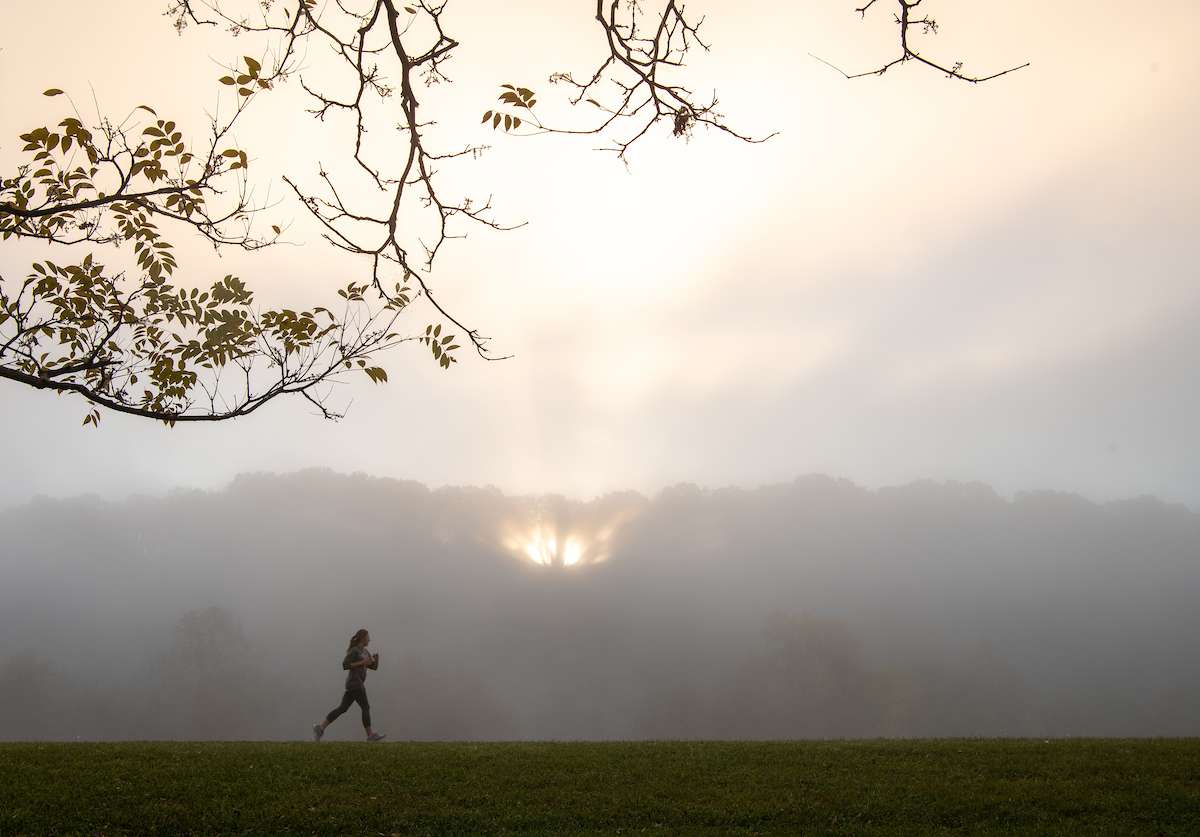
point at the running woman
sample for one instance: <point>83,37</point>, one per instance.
<point>356,663</point>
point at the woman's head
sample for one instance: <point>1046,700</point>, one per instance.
<point>361,638</point>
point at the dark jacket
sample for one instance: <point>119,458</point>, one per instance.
<point>356,678</point>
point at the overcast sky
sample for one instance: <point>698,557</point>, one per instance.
<point>917,278</point>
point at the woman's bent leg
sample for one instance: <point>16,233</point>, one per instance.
<point>334,714</point>
<point>360,695</point>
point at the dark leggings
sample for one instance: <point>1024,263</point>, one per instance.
<point>358,696</point>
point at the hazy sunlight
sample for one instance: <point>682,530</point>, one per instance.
<point>563,544</point>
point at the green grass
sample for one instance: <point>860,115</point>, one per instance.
<point>876,787</point>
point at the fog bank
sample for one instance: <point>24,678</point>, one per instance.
<point>808,609</point>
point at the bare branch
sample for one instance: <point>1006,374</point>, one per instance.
<point>906,23</point>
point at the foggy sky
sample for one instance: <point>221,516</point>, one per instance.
<point>916,279</point>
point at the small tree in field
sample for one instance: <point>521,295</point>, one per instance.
<point>143,342</point>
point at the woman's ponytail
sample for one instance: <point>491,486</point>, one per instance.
<point>357,638</point>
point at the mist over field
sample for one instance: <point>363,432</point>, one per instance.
<point>808,609</point>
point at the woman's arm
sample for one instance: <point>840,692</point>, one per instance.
<point>359,663</point>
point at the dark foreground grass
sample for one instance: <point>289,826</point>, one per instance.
<point>879,787</point>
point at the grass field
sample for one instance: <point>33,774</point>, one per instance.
<point>877,787</point>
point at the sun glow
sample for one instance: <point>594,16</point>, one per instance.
<point>572,552</point>
<point>553,533</point>
<point>572,543</point>
<point>541,547</point>
<point>544,547</point>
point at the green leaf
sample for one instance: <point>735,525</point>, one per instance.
<point>253,65</point>
<point>53,91</point>
<point>227,80</point>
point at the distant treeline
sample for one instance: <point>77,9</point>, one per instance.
<point>809,609</point>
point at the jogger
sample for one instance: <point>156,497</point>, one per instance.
<point>356,663</point>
